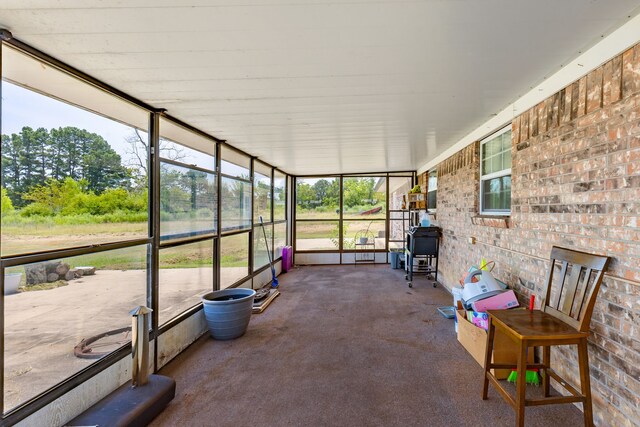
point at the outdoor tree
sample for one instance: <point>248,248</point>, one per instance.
<point>32,157</point>
<point>138,152</point>
<point>359,191</point>
<point>11,175</point>
<point>53,196</point>
<point>305,195</point>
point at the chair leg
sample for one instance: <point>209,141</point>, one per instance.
<point>488,355</point>
<point>521,385</point>
<point>585,382</point>
<point>546,361</point>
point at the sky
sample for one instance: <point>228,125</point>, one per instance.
<point>22,107</point>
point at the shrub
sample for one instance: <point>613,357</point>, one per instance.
<point>5,203</point>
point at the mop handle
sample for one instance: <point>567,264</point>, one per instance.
<point>266,242</point>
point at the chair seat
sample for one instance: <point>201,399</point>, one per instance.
<point>534,325</point>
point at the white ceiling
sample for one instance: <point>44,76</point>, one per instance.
<point>322,86</point>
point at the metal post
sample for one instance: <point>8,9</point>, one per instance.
<point>140,345</point>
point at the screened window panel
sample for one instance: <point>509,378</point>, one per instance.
<point>279,196</point>
<point>186,273</point>
<point>187,201</point>
<point>317,235</point>
<point>364,197</point>
<point>193,148</point>
<point>280,238</point>
<point>317,198</point>
<point>69,175</point>
<point>235,199</point>
<point>47,324</point>
<point>260,254</point>
<point>234,259</point>
<point>235,163</point>
<point>261,197</point>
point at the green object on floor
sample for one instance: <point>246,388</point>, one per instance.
<point>531,377</point>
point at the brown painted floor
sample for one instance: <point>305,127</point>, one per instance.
<point>343,346</point>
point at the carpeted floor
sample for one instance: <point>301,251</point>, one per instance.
<point>343,346</point>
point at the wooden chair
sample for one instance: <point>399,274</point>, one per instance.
<point>567,305</point>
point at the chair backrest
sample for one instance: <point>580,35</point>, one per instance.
<point>572,295</point>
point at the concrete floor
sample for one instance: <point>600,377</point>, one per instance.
<point>343,346</point>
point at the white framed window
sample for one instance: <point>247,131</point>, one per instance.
<point>432,190</point>
<point>495,173</point>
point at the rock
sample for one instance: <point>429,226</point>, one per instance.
<point>52,277</point>
<point>51,266</point>
<point>35,273</point>
<point>70,275</point>
<point>62,268</point>
<point>87,271</point>
<point>78,273</point>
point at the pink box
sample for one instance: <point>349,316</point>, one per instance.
<point>501,301</point>
<point>481,320</point>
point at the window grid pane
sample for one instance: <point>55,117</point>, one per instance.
<point>496,154</point>
<point>187,201</point>
<point>52,316</point>
<point>497,194</point>
<point>261,197</point>
<point>260,255</point>
<point>235,199</point>
<point>234,259</point>
<point>317,198</point>
<point>186,273</point>
<point>317,235</point>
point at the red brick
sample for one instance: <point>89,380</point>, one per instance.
<point>524,126</point>
<point>542,116</point>
<point>607,76</point>
<point>629,77</point>
<point>582,97</point>
<point>594,90</point>
<point>515,130</point>
<point>565,106</point>
<point>616,78</point>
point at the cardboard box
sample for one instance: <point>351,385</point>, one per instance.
<point>474,339</point>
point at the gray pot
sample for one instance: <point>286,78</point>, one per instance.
<point>364,240</point>
<point>228,312</point>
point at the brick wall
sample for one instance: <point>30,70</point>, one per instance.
<point>575,183</point>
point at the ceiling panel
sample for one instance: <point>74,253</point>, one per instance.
<point>320,86</point>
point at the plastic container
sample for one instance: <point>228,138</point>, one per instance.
<point>394,260</point>
<point>425,220</point>
<point>11,283</point>
<point>456,291</point>
<point>287,258</point>
<point>228,312</point>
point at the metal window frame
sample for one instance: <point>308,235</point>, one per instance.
<point>153,242</point>
<point>411,175</point>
